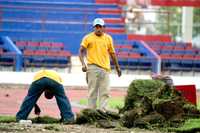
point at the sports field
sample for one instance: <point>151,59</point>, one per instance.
<point>11,97</point>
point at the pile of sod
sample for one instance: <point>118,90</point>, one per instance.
<point>149,104</point>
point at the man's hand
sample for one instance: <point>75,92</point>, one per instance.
<point>37,110</point>
<point>84,68</point>
<point>119,72</point>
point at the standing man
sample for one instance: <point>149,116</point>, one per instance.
<point>50,82</point>
<point>99,48</point>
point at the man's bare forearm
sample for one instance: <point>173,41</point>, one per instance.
<point>114,59</point>
<point>81,55</point>
<point>82,51</point>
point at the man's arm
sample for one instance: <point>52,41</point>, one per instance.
<point>82,52</point>
<point>37,110</point>
<point>117,67</point>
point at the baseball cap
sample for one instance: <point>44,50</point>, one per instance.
<point>98,21</point>
<point>48,94</point>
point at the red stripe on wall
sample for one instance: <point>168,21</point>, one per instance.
<point>193,3</point>
<point>161,38</point>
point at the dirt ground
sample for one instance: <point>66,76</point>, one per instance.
<point>60,128</point>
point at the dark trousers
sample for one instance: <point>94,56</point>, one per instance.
<point>35,91</point>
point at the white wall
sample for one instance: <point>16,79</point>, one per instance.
<point>187,24</point>
<point>78,79</point>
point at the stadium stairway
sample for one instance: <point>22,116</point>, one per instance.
<point>10,55</point>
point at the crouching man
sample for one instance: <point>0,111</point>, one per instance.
<point>50,82</point>
<point>165,78</point>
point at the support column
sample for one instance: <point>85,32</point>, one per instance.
<point>187,24</point>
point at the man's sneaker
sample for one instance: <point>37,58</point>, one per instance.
<point>25,122</point>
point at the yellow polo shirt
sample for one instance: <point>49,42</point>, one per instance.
<point>49,74</point>
<point>98,49</point>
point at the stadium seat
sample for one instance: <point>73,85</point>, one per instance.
<point>1,51</point>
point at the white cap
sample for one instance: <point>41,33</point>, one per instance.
<point>98,21</point>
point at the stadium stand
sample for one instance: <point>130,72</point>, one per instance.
<point>33,26</point>
<point>48,33</point>
<point>177,56</point>
<point>44,54</point>
<point>58,21</point>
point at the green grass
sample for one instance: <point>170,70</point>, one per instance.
<point>198,105</point>
<point>43,119</point>
<point>7,119</point>
<point>114,103</point>
<point>190,125</point>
